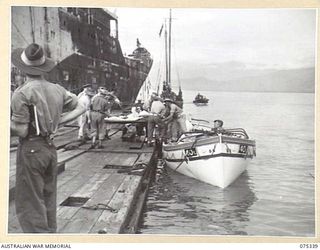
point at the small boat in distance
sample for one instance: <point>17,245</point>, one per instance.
<point>215,156</point>
<point>200,100</point>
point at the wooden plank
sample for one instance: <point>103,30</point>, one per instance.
<point>84,219</point>
<point>131,223</point>
<point>92,185</point>
<point>72,186</point>
<point>114,159</point>
<point>123,159</point>
<point>139,144</point>
<point>65,190</point>
<point>123,203</point>
<point>64,156</point>
<point>144,158</point>
<point>80,223</point>
<point>107,190</point>
<point>65,213</point>
<point>139,166</point>
<point>117,145</point>
<point>110,222</point>
<point>89,162</point>
<point>65,177</point>
<point>61,141</point>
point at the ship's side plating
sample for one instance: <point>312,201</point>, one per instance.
<point>84,43</point>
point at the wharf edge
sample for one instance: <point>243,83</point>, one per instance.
<point>107,187</point>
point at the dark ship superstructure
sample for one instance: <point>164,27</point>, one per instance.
<point>84,44</point>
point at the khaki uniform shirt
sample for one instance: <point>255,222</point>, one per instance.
<point>50,99</point>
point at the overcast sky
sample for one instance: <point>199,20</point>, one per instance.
<point>244,38</point>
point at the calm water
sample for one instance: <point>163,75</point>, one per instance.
<point>274,197</point>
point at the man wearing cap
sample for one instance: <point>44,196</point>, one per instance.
<point>176,120</point>
<point>85,119</point>
<point>99,109</point>
<point>147,104</point>
<point>37,107</point>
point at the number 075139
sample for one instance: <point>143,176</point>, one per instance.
<point>308,246</point>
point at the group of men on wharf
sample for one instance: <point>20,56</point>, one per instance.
<point>168,117</point>
<point>98,107</point>
<point>39,108</point>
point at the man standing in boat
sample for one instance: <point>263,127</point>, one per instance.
<point>217,126</point>
<point>37,107</point>
<point>176,120</point>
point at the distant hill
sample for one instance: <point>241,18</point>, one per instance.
<point>293,80</point>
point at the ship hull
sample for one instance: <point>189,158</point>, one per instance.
<point>84,46</point>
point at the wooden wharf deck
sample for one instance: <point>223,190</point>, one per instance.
<point>99,190</point>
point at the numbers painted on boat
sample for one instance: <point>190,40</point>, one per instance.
<point>190,152</point>
<point>243,149</point>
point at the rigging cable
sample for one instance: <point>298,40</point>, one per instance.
<point>23,37</point>
<point>159,75</point>
<point>32,24</point>
<point>175,63</point>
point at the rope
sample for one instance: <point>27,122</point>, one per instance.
<point>25,40</point>
<point>101,206</point>
<point>137,169</point>
<point>117,131</point>
<point>186,159</point>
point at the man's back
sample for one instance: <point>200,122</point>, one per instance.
<point>50,99</point>
<point>157,107</point>
<point>99,103</point>
<point>175,110</point>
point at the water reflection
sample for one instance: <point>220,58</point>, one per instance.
<point>178,204</point>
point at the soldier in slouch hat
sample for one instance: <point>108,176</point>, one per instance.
<point>37,108</point>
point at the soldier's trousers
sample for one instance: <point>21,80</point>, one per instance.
<point>36,185</point>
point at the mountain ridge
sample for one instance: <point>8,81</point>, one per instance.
<point>290,80</point>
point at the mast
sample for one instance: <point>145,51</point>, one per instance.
<point>169,45</point>
<point>166,52</point>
